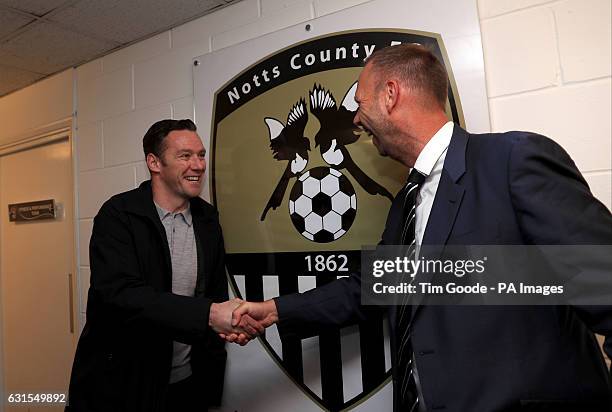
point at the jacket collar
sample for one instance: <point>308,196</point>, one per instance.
<point>454,163</point>
<point>433,150</point>
<point>140,202</point>
<point>143,204</point>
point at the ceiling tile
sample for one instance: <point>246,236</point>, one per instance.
<point>12,79</point>
<point>48,48</point>
<point>17,62</point>
<point>38,7</point>
<point>45,47</point>
<point>9,22</point>
<point>126,21</point>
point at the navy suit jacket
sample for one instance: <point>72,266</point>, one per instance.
<point>514,188</point>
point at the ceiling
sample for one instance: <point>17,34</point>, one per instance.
<point>41,37</point>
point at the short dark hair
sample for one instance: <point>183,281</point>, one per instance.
<point>416,66</point>
<point>153,140</point>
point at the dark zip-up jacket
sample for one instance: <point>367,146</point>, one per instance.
<point>124,354</point>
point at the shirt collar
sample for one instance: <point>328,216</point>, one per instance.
<point>186,214</point>
<point>432,151</point>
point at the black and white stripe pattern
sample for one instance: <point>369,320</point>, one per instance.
<point>336,366</point>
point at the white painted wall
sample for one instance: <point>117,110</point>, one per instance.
<point>547,64</point>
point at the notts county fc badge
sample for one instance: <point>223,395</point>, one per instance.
<point>300,189</point>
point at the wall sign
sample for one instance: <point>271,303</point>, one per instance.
<point>300,188</point>
<point>29,211</point>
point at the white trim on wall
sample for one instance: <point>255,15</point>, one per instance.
<point>60,130</point>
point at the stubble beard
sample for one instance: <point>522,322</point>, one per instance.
<point>383,136</point>
<point>189,192</point>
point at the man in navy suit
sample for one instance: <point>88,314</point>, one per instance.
<point>515,188</point>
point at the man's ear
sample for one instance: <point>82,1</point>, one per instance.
<point>153,163</point>
<point>391,95</point>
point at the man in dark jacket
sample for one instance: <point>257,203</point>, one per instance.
<point>157,282</point>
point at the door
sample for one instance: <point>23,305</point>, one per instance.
<point>36,267</point>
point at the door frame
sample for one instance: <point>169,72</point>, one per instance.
<point>54,132</point>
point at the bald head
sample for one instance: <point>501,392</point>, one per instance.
<point>415,67</point>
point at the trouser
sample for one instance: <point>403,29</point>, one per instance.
<point>184,396</point>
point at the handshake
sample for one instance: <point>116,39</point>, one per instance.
<point>239,321</point>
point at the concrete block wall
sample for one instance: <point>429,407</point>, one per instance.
<point>548,70</point>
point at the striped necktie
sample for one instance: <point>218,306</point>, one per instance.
<point>408,393</point>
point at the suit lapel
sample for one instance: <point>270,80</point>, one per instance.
<point>449,193</point>
<point>442,216</point>
<point>446,203</point>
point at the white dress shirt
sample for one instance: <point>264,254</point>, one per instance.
<point>430,163</point>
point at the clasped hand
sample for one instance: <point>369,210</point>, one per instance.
<point>239,321</point>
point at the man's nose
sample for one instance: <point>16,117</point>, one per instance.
<point>198,163</point>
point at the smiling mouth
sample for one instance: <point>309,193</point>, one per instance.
<point>192,178</point>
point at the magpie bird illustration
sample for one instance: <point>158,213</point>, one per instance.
<point>337,131</point>
<point>288,144</point>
